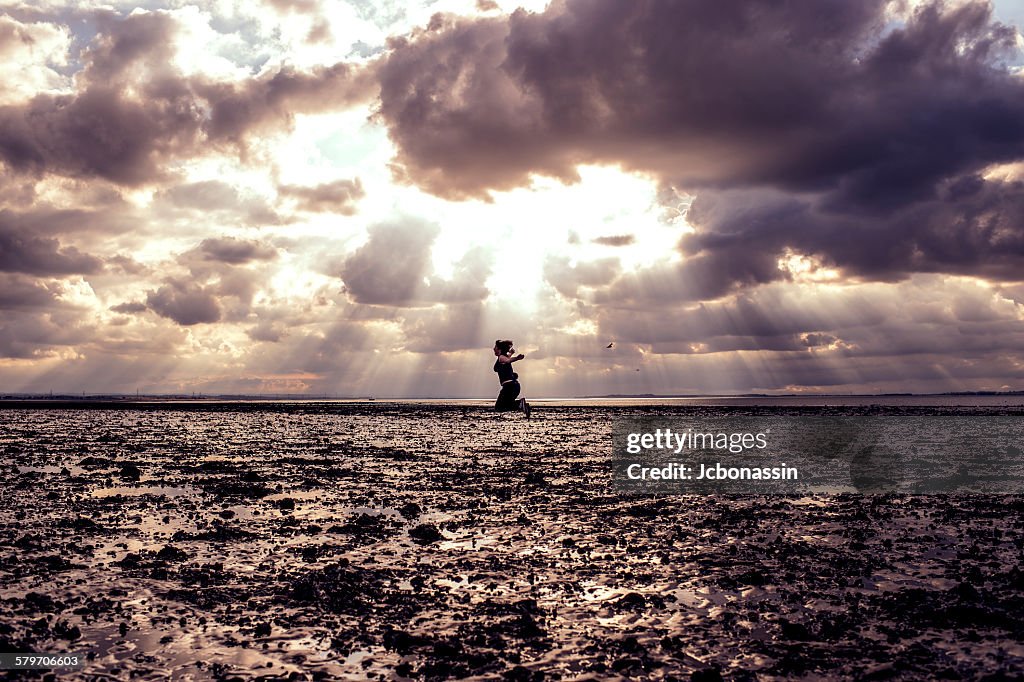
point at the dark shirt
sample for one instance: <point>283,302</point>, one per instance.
<point>505,371</point>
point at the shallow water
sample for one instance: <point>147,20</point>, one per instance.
<point>418,540</point>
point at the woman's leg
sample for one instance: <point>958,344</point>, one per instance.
<point>506,401</point>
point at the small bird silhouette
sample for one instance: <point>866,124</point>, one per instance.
<point>610,344</point>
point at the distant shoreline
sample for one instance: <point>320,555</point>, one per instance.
<point>217,403</point>
<point>163,398</point>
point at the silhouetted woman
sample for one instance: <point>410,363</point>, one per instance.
<point>508,399</point>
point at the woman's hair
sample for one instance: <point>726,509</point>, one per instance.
<point>503,346</point>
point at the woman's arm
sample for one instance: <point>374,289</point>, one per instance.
<point>504,359</point>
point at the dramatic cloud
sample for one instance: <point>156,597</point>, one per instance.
<point>971,225</point>
<point>923,315</point>
<point>184,302</point>
<point>467,282</point>
<point>42,318</point>
<point>265,331</point>
<point>455,328</point>
<point>208,195</point>
<point>31,57</point>
<point>339,196</point>
<point>235,251</point>
<point>742,196</point>
<point>135,113</point>
<point>21,251</point>
<point>33,336</point>
<point>800,94</point>
<point>393,268</point>
<point>240,109</point>
<point>99,133</point>
<point>821,127</point>
<point>130,308</point>
<point>214,196</point>
<point>23,293</point>
<point>389,268</point>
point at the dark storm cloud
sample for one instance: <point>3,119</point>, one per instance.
<point>802,94</point>
<point>339,196</point>
<point>393,268</point>
<point>234,251</point>
<point>22,251</point>
<point>970,226</point>
<point>925,316</point>
<point>18,292</point>
<point>100,131</point>
<point>97,133</point>
<point>483,104</point>
<point>817,126</point>
<point>132,112</point>
<point>184,302</point>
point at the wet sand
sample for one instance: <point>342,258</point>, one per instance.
<point>392,541</point>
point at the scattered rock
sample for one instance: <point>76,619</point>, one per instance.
<point>425,534</point>
<point>172,554</point>
<point>706,675</point>
<point>410,510</point>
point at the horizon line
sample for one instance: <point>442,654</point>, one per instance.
<point>197,396</point>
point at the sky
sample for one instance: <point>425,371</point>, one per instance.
<point>356,198</point>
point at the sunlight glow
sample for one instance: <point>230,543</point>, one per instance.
<point>802,268</point>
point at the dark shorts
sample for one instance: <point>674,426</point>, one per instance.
<point>506,401</point>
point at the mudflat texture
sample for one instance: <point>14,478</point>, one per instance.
<point>391,541</point>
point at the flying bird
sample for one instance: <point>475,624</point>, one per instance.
<point>610,344</point>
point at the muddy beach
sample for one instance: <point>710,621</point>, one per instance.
<point>393,541</point>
